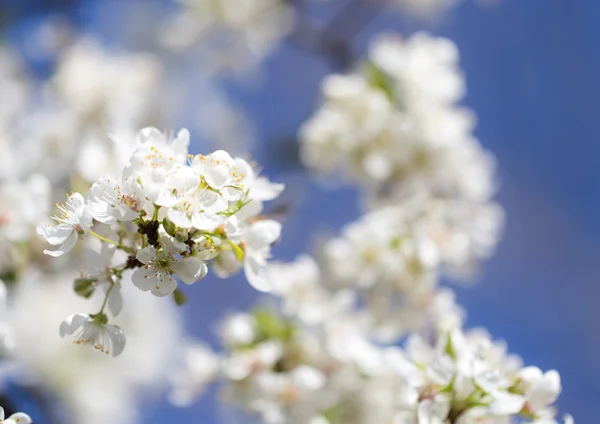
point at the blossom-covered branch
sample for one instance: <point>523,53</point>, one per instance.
<point>163,219</point>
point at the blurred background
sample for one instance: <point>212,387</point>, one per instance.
<point>531,68</point>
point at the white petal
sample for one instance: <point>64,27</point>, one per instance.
<point>545,391</point>
<point>72,323</point>
<point>256,274</point>
<point>146,254</point>
<point>56,234</point>
<point>172,245</point>
<point>213,202</point>
<point>216,175</point>
<point>115,301</point>
<point>166,285</point>
<point>308,378</point>
<point>19,418</point>
<point>77,200</point>
<point>263,189</point>
<point>65,248</point>
<point>507,404</point>
<point>117,337</point>
<point>206,222</point>
<point>144,279</point>
<point>263,233</point>
<point>190,270</point>
<point>180,145</point>
<point>150,135</point>
<point>102,212</point>
<point>179,218</point>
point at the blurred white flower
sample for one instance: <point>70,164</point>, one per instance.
<point>201,367</point>
<point>74,222</point>
<point>93,388</point>
<point>122,86</point>
<point>92,330</point>
<point>236,34</point>
<point>258,239</point>
<point>17,418</point>
<point>394,127</point>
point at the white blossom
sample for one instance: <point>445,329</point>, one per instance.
<point>17,418</point>
<point>74,221</point>
<point>258,239</point>
<point>111,201</point>
<point>88,330</point>
<point>156,275</point>
<point>234,34</point>
<point>201,367</point>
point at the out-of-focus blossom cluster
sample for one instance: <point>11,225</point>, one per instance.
<point>83,381</point>
<point>395,129</point>
<point>361,332</point>
<point>167,214</point>
<point>283,370</point>
<point>46,128</point>
<point>394,258</point>
<point>364,333</point>
<point>234,34</point>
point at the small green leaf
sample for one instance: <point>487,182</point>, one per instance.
<point>450,347</point>
<point>378,79</point>
<point>271,326</point>
<point>239,252</point>
<point>237,206</point>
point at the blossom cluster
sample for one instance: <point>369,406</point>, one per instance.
<point>283,371</point>
<point>394,127</point>
<point>53,139</point>
<point>234,34</point>
<point>364,332</point>
<point>395,257</point>
<point>361,332</point>
<point>168,214</point>
<point>53,136</point>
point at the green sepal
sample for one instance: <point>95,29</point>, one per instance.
<point>169,227</point>
<point>84,287</point>
<point>179,297</point>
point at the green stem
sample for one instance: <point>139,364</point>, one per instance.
<point>124,228</point>
<point>106,298</point>
<point>119,245</point>
<point>155,215</point>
